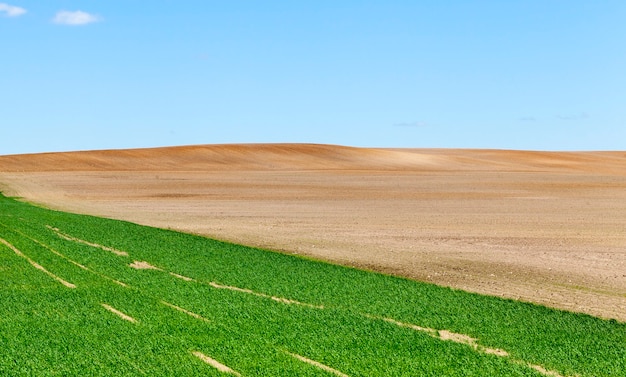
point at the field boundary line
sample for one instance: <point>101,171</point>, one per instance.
<point>214,363</point>
<point>67,237</point>
<point>317,364</point>
<point>37,265</point>
<point>119,313</point>
<point>182,310</point>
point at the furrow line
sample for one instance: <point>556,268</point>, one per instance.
<point>469,341</point>
<point>182,310</point>
<point>120,314</point>
<point>258,294</point>
<point>37,265</point>
<point>67,237</point>
<point>139,265</point>
<point>540,369</point>
<point>185,278</point>
<point>55,252</point>
<point>142,265</point>
<point>317,364</point>
<point>214,363</point>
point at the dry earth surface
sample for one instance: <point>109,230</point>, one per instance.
<point>544,227</point>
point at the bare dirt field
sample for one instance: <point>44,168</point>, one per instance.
<point>544,227</point>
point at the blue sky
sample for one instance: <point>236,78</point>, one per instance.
<point>527,74</point>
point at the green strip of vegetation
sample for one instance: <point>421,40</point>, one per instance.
<point>196,302</point>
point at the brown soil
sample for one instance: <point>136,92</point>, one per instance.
<point>545,227</point>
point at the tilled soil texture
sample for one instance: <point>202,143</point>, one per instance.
<point>544,227</point>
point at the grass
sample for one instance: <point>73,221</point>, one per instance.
<point>235,310</point>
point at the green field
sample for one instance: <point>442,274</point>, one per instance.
<point>81,295</point>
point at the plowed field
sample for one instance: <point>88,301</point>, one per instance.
<point>543,227</point>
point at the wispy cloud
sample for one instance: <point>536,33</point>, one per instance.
<point>528,119</point>
<point>11,10</point>
<point>410,124</point>
<point>74,18</point>
<point>580,116</point>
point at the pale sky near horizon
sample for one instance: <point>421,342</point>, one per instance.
<point>519,74</point>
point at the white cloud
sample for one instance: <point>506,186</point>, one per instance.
<point>11,11</point>
<point>580,116</point>
<point>78,17</point>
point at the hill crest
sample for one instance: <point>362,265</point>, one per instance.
<point>259,157</point>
